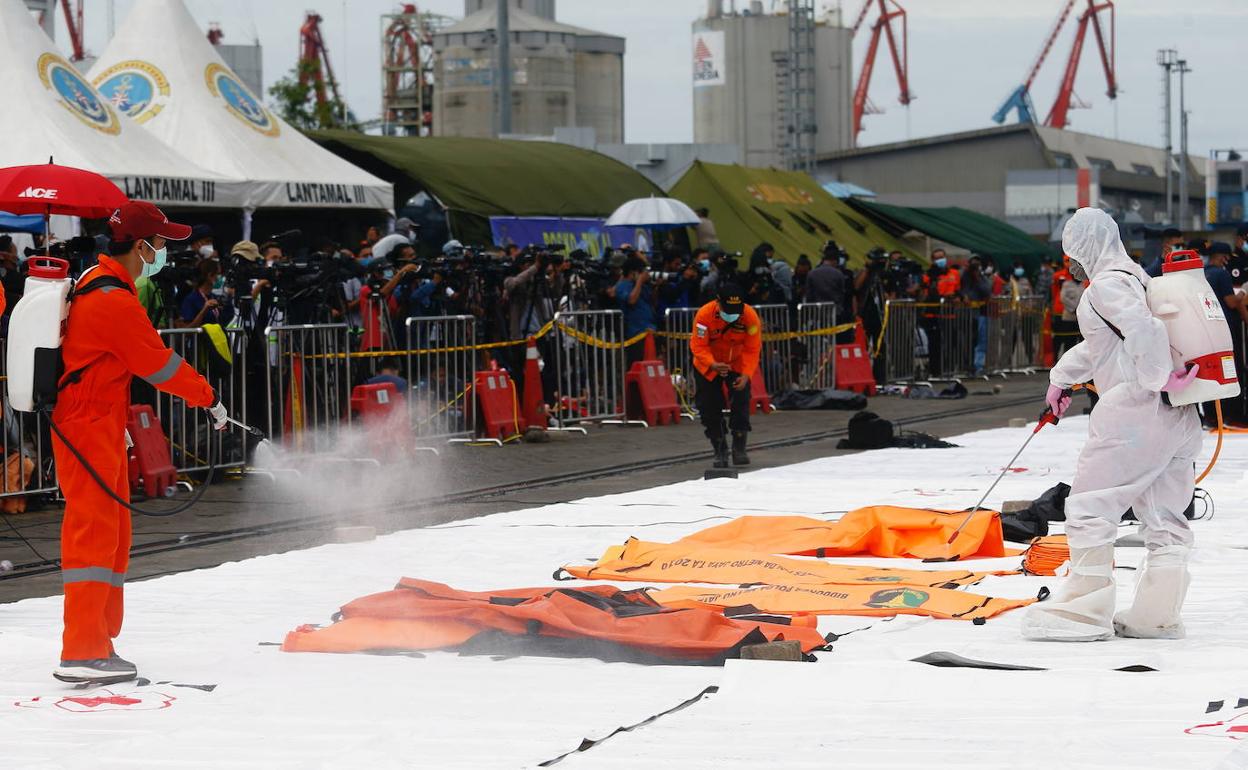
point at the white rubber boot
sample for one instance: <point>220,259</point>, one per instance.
<point>1082,608</point>
<point>1159,594</point>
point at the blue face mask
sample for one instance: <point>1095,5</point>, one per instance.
<point>941,263</point>
<point>705,264</point>
<point>1018,271</point>
<point>156,265</point>
<point>729,317</point>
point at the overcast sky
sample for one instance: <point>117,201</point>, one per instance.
<point>966,56</point>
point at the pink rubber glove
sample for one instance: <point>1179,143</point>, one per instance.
<point>1058,400</point>
<point>1180,380</point>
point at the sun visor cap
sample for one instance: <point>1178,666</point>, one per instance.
<point>141,219</point>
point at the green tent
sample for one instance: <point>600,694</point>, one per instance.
<point>964,228</point>
<point>787,209</point>
<point>475,179</point>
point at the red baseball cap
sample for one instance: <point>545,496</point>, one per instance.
<point>141,219</point>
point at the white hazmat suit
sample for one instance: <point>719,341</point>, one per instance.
<point>1140,452</point>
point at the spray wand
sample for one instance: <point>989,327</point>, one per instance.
<point>1046,418</point>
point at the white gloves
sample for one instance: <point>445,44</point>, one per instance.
<point>217,410</point>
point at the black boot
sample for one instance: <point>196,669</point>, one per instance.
<point>720,446</point>
<point>739,457</point>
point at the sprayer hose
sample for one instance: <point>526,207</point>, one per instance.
<point>1217,450</point>
<point>195,498</point>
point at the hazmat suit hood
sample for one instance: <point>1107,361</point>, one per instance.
<point>1091,238</point>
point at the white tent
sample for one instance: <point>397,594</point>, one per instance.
<point>54,112</point>
<point>161,70</point>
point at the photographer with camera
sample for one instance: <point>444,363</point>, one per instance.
<point>758,283</point>
<point>200,306</point>
<point>532,295</point>
<point>871,298</point>
<point>636,298</point>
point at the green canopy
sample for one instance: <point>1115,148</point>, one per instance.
<point>475,179</point>
<point>964,228</point>
<point>787,209</point>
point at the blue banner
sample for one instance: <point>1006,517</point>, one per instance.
<point>589,234</point>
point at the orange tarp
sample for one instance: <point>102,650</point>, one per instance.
<point>877,530</point>
<point>422,615</point>
<point>841,600</point>
<point>685,562</point>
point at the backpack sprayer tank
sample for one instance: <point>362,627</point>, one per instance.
<point>35,332</point>
<point>1185,302</point>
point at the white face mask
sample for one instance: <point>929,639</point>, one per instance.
<point>205,251</point>
<point>729,317</point>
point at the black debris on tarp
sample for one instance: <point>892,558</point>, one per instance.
<point>829,398</point>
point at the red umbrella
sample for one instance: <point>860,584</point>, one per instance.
<point>51,189</point>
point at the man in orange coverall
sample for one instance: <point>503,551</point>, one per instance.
<point>727,337</point>
<point>108,339</point>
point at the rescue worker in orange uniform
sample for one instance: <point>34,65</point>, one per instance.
<point>108,340</point>
<point>727,337</point>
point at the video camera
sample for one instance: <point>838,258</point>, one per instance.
<point>76,251</point>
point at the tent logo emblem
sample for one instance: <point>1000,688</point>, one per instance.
<point>898,598</point>
<point>76,95</point>
<point>43,193</point>
<point>135,88</point>
<point>238,100</point>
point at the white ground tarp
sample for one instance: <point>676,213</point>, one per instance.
<point>161,70</point>
<point>865,703</point>
<point>54,112</point>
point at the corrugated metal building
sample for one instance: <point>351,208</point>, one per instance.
<point>1025,174</point>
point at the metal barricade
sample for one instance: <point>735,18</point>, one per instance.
<point>589,366</point>
<point>441,367</point>
<point>308,384</point>
<point>1028,342</point>
<point>905,343</point>
<point>678,324</point>
<point>193,442</point>
<point>956,324</point>
<point>776,360</point>
<point>1002,328</point>
<point>27,445</point>
<point>818,364</point>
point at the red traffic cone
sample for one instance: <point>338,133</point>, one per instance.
<point>649,353</point>
<point>534,406</point>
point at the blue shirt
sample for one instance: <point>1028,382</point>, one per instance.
<point>639,316</point>
<point>195,301</point>
<point>1220,281</point>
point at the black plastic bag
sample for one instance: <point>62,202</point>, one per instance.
<point>829,398</point>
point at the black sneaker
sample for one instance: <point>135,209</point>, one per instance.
<point>96,671</point>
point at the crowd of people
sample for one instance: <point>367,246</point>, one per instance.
<point>515,291</point>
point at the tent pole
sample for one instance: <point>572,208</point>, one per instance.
<point>247,212</point>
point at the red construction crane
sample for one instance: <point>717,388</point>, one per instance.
<point>889,10</point>
<point>73,23</point>
<point>407,70</point>
<point>1020,99</point>
<point>314,67</point>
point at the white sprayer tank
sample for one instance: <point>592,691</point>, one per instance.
<point>1185,302</point>
<point>35,331</point>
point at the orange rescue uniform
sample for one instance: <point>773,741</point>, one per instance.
<point>714,340</point>
<point>108,339</point>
